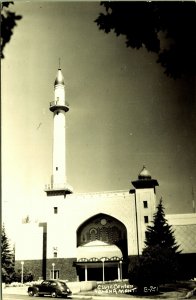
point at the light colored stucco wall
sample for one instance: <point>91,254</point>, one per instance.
<point>149,196</point>
<point>77,208</point>
<point>80,207</point>
<point>28,243</point>
<point>181,219</point>
<point>72,212</point>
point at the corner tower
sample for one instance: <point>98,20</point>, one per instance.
<point>59,108</point>
<point>144,204</point>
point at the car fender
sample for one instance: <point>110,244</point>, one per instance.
<point>33,288</point>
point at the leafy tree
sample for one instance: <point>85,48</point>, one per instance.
<point>8,22</point>
<point>7,258</point>
<point>166,28</point>
<point>159,261</point>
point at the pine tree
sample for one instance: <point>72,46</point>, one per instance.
<point>160,233</point>
<point>159,261</point>
<point>7,258</point>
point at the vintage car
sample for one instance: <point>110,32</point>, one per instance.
<point>54,288</point>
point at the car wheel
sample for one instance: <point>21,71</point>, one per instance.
<point>31,293</point>
<point>53,294</point>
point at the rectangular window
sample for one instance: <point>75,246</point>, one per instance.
<point>55,210</point>
<point>145,219</point>
<point>55,254</point>
<point>145,203</point>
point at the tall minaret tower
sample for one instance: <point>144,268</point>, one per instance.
<point>58,107</point>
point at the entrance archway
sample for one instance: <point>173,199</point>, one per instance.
<point>101,248</point>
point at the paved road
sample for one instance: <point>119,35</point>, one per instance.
<point>25,297</point>
<point>18,297</point>
<point>80,297</point>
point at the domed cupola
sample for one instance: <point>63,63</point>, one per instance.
<point>144,174</point>
<point>144,180</point>
<point>59,102</point>
<point>59,78</point>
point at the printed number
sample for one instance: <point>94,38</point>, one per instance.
<point>151,289</point>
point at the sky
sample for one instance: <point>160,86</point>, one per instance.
<point>124,111</point>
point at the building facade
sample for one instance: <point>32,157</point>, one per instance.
<point>89,236</point>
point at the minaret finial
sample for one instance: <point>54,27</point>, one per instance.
<point>59,62</point>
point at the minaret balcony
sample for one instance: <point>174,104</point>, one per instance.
<point>63,187</point>
<point>55,105</point>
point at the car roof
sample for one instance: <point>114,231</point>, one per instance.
<point>55,280</point>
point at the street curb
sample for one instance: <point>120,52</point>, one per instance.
<point>23,291</point>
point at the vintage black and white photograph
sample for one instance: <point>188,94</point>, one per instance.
<point>98,149</point>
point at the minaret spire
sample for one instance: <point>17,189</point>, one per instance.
<point>59,108</point>
<point>59,63</point>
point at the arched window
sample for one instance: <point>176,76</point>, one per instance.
<point>93,234</point>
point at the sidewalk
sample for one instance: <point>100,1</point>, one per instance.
<point>90,295</point>
<point>15,290</point>
<point>23,291</point>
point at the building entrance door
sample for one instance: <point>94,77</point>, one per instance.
<point>111,270</point>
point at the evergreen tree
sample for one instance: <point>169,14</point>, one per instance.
<point>160,233</point>
<point>159,261</point>
<point>7,258</point>
<point>161,251</point>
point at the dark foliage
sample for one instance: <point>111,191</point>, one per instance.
<point>27,276</point>
<point>145,23</point>
<point>7,258</point>
<point>160,233</point>
<point>8,22</point>
<point>158,263</point>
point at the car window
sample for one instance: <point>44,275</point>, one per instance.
<point>53,283</point>
<point>62,284</point>
<point>45,282</point>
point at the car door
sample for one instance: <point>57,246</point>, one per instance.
<point>44,287</point>
<point>53,287</point>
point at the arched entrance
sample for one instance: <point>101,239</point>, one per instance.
<point>101,249</point>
